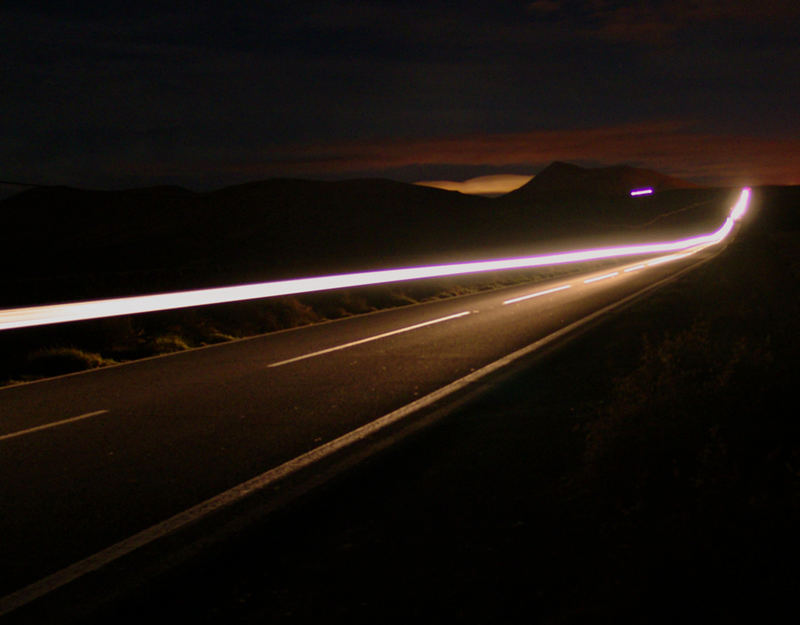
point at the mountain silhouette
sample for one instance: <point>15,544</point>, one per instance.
<point>560,178</point>
<point>63,244</point>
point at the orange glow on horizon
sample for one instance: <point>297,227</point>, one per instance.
<point>496,184</point>
<point>673,146</point>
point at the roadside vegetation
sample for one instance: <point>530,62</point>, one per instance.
<point>678,490</point>
<point>56,360</point>
<point>48,351</point>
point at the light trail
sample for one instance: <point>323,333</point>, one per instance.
<point>740,208</point>
<point>637,192</point>
<point>96,309</point>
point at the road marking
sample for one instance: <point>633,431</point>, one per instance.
<point>537,294</point>
<point>603,277</point>
<point>666,259</point>
<point>371,338</point>
<point>634,268</point>
<point>60,578</point>
<point>55,424</point>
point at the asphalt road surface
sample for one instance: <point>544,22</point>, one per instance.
<point>91,459</point>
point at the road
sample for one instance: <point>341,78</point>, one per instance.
<point>92,459</point>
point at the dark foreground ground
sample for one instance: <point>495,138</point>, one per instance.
<point>649,472</point>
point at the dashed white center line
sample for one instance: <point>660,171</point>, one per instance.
<point>634,268</point>
<point>47,426</point>
<point>603,277</point>
<point>537,294</point>
<point>371,338</point>
<point>666,259</point>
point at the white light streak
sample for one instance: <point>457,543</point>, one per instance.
<point>637,192</point>
<point>740,208</point>
<point>537,294</point>
<point>634,268</point>
<point>80,311</point>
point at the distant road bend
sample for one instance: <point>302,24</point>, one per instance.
<point>98,464</point>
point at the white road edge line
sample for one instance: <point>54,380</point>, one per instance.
<point>537,294</point>
<point>94,562</point>
<point>370,338</point>
<point>55,424</point>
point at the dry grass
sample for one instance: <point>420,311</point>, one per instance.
<point>59,360</point>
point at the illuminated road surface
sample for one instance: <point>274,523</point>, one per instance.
<point>92,465</point>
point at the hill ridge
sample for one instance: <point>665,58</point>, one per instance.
<point>562,178</point>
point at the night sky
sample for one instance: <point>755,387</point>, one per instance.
<point>122,94</point>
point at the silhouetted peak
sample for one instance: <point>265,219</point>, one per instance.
<point>561,178</point>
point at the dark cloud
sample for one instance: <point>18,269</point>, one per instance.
<point>92,93</point>
<point>673,146</point>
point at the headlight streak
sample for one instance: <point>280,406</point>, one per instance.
<point>637,192</point>
<point>740,208</point>
<point>651,263</point>
<point>96,309</point>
